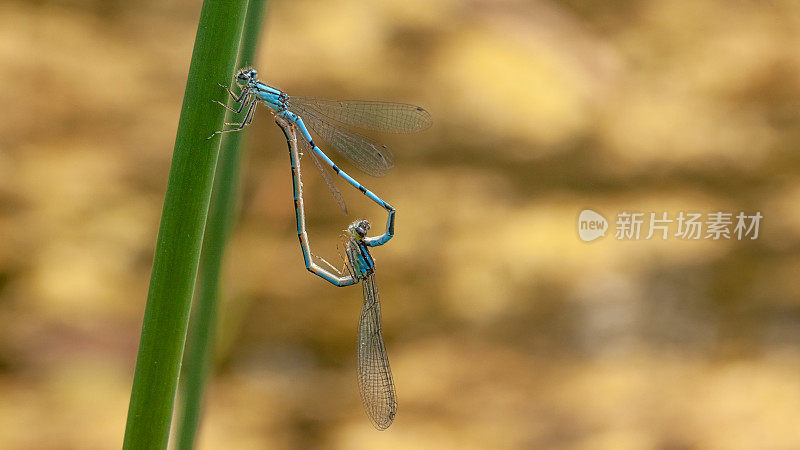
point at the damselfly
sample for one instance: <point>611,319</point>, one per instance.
<point>328,118</point>
<point>374,376</point>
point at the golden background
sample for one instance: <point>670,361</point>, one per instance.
<point>504,330</point>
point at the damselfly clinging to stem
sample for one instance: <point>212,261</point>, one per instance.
<point>374,376</point>
<point>328,118</point>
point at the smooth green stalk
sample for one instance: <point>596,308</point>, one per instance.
<point>180,234</point>
<point>221,217</point>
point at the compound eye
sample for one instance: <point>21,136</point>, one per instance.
<point>362,228</point>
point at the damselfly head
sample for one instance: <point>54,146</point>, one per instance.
<point>247,75</point>
<point>359,228</point>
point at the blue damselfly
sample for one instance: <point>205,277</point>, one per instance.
<point>328,118</point>
<point>374,375</point>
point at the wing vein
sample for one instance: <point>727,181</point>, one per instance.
<point>369,115</point>
<point>369,156</point>
<point>374,375</point>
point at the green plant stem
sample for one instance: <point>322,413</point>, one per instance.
<point>221,217</point>
<point>183,220</point>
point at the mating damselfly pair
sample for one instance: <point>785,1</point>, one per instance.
<point>328,119</point>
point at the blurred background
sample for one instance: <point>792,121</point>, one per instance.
<point>504,329</point>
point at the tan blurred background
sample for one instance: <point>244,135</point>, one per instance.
<point>504,330</point>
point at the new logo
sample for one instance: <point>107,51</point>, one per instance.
<point>591,225</point>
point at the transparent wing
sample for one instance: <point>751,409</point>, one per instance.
<point>337,195</point>
<point>375,116</point>
<point>369,156</point>
<point>374,376</point>
<point>341,247</point>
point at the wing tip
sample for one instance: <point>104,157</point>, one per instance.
<point>426,119</point>
<point>382,423</point>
